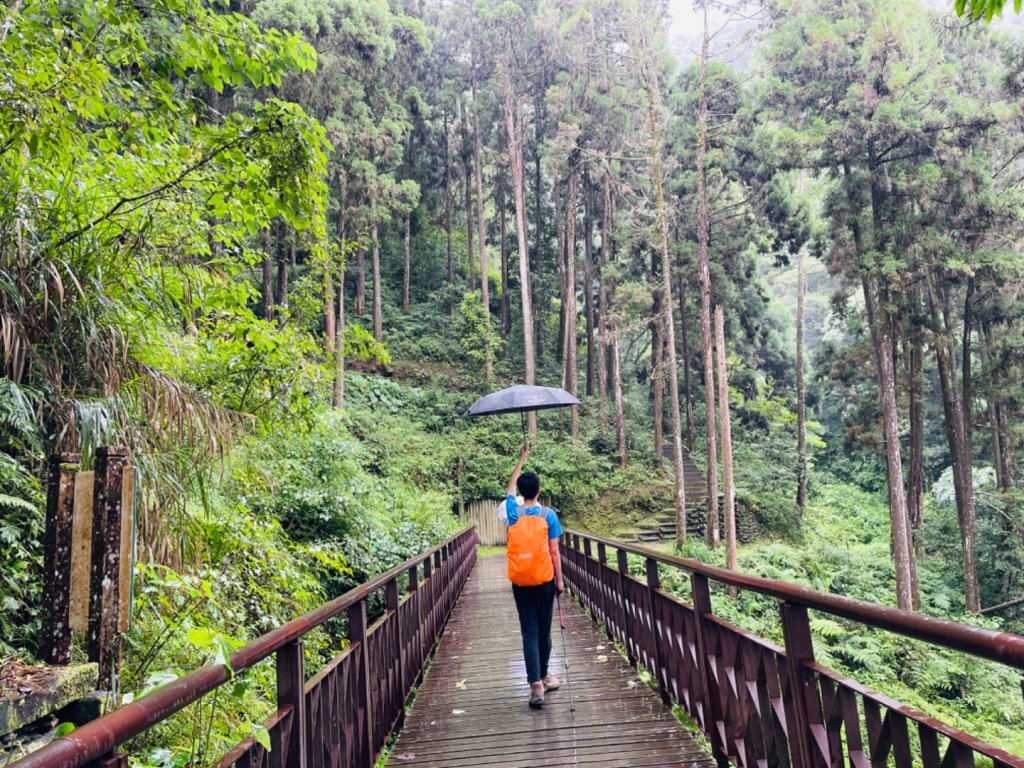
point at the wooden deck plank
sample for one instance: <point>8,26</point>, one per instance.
<point>471,708</point>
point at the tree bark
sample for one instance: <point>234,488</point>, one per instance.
<point>406,263</point>
<point>588,281</point>
<point>514,130</point>
<point>915,389</point>
<point>378,300</point>
<point>704,278</point>
<point>881,343</point>
<point>448,210</point>
<point>467,175</point>
<point>268,275</point>
<point>880,325</point>
<point>570,298</point>
<point>485,297</point>
<point>602,311</point>
<point>338,396</point>
<point>360,303</point>
<point>563,300</point>
<point>959,449</point>
<point>669,322</point>
<point>657,377</point>
<point>801,392</point>
<point>620,419</point>
<point>506,303</point>
<point>728,489</point>
<point>685,353</point>
<point>538,190</point>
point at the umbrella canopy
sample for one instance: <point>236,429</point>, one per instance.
<point>519,399</point>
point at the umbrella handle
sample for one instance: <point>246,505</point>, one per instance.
<point>526,437</point>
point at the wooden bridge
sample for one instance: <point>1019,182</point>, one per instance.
<point>756,704</point>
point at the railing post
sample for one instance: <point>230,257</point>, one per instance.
<point>357,634</point>
<point>289,749</point>
<point>55,643</point>
<point>653,584</point>
<point>712,701</point>
<point>622,559</point>
<point>588,592</point>
<point>602,569</point>
<point>392,606</point>
<point>803,693</point>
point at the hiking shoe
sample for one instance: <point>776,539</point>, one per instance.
<point>537,694</point>
<point>551,683</point>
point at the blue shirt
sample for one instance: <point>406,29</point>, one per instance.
<point>512,511</point>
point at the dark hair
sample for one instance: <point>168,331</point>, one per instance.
<point>528,485</point>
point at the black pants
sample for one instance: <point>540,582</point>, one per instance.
<point>535,605</point>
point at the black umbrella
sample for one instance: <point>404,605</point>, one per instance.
<point>520,399</point>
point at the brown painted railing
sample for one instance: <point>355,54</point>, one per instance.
<point>762,706</point>
<point>342,716</point>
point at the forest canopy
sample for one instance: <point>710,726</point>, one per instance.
<point>275,247</point>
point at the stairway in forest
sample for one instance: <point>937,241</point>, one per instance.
<point>662,526</point>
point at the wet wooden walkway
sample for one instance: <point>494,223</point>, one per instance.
<point>471,709</point>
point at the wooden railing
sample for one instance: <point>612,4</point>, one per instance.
<point>343,715</point>
<point>762,706</point>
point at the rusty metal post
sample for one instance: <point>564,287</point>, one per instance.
<point>712,700</point>
<point>357,634</point>
<point>653,584</point>
<point>55,643</point>
<point>104,577</point>
<point>289,749</point>
<point>803,693</point>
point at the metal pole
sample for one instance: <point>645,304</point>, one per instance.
<point>565,657</point>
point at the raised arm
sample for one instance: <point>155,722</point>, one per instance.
<point>524,452</point>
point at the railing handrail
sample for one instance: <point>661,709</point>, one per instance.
<point>1003,647</point>
<point>99,737</point>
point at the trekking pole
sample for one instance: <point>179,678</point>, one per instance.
<point>565,656</point>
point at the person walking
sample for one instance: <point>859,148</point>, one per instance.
<point>535,570</point>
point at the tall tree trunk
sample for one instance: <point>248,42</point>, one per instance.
<point>467,175</point>
<point>378,299</point>
<point>602,311</point>
<point>881,343</point>
<point>360,302</point>
<point>704,278</point>
<point>881,332</point>
<point>959,448</point>
<point>448,210</point>
<point>338,394</point>
<point>406,263</point>
<point>685,353</point>
<point>666,291</point>
<point>268,275</point>
<point>657,378</point>
<point>915,389</point>
<point>620,418</point>
<point>728,489</point>
<point>538,197</point>
<point>338,397</point>
<point>514,129</point>
<point>485,297</point>
<point>282,270</point>
<point>801,392</point>
<point>588,281</point>
<point>506,300</point>
<point>563,300</point>
<point>570,297</point>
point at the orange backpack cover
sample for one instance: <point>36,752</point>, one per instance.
<point>529,559</point>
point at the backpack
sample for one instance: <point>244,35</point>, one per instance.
<point>529,559</point>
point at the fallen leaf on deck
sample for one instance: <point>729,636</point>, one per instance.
<point>461,684</point>
<point>458,711</point>
<point>602,657</point>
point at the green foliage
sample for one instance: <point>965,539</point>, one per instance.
<point>21,551</point>
<point>479,342</point>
